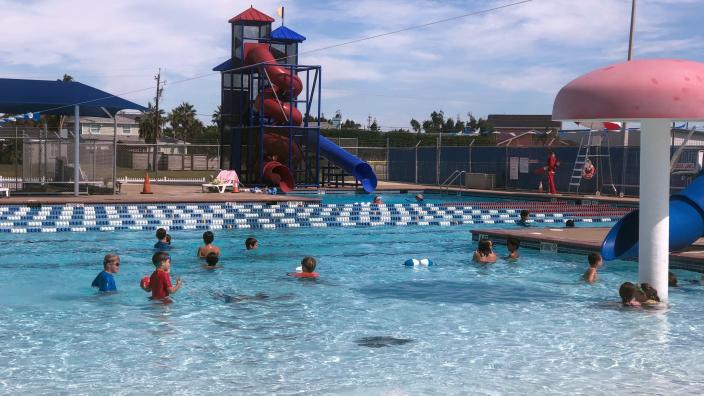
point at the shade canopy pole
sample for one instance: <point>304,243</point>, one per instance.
<point>76,149</point>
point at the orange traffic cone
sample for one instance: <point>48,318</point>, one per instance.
<point>147,189</point>
<point>236,187</point>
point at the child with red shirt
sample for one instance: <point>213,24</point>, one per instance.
<point>307,269</point>
<point>160,283</point>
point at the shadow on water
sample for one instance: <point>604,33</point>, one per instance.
<point>381,341</point>
<point>479,293</point>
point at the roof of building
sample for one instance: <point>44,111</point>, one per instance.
<point>282,33</point>
<point>122,119</point>
<point>225,66</point>
<point>251,15</point>
<point>523,121</point>
<point>58,97</point>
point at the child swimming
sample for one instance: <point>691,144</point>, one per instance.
<point>512,244</point>
<point>208,238</point>
<point>484,253</point>
<point>595,262</point>
<point>308,265</point>
<point>160,282</point>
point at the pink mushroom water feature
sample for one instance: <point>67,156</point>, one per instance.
<point>653,92</point>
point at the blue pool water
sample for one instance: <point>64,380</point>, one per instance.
<point>454,328</point>
<point>397,198</point>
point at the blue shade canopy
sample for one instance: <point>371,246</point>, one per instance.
<point>58,97</point>
<point>283,33</point>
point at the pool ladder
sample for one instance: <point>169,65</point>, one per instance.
<point>451,179</point>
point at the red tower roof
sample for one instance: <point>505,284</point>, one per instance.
<point>252,15</point>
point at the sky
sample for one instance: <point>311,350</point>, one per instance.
<point>510,61</point>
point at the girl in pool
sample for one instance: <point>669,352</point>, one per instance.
<point>484,253</point>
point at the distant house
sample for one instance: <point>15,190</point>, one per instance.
<point>102,128</point>
<point>520,123</point>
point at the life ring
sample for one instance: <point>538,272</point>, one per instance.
<point>588,172</point>
<point>418,262</point>
<point>304,274</point>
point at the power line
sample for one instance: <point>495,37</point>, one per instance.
<point>367,38</point>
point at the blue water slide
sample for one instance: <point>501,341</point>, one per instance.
<point>351,164</point>
<point>686,224</point>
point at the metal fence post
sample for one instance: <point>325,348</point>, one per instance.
<point>437,160</point>
<point>387,159</point>
<point>417,144</point>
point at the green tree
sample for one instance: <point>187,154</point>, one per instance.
<point>185,126</point>
<point>350,124</point>
<point>415,125</point>
<point>449,125</point>
<point>374,127</point>
<point>428,126</point>
<point>438,120</point>
<point>148,129</point>
<point>216,118</point>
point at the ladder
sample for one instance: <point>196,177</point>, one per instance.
<point>590,148</point>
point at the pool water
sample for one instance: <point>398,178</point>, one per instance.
<point>398,198</point>
<point>369,325</point>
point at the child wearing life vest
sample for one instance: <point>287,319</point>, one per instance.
<point>307,269</point>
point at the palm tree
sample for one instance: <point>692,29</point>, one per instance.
<point>185,125</point>
<point>149,131</point>
<point>217,114</point>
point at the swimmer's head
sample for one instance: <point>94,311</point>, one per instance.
<point>168,239</point>
<point>595,260</point>
<point>111,263</point>
<point>161,234</point>
<point>671,279</point>
<point>308,264</point>
<point>627,291</point>
<point>212,259</point>
<point>524,214</point>
<point>484,246</point>
<point>251,243</point>
<point>377,199</point>
<point>512,243</point>
<point>161,260</point>
<point>650,292</point>
<point>569,223</point>
<point>420,198</point>
<point>208,237</point>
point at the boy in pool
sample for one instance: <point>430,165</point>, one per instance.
<point>211,261</point>
<point>377,200</point>
<point>595,262</point>
<point>204,251</point>
<point>251,243</point>
<point>484,253</point>
<point>105,281</point>
<point>307,268</point>
<point>512,244</point>
<point>569,223</point>
<point>160,282</point>
<point>524,218</point>
<point>162,242</point>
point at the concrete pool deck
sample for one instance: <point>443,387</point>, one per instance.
<point>583,241</point>
<point>192,193</point>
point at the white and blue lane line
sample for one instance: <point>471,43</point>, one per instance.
<point>83,218</point>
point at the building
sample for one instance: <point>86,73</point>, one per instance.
<point>520,123</point>
<point>102,128</point>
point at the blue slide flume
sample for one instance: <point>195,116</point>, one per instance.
<point>686,224</point>
<point>351,164</point>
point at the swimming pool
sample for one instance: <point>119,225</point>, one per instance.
<point>454,328</point>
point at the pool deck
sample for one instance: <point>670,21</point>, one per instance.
<point>131,194</point>
<point>583,241</point>
<point>192,194</point>
<point>395,186</point>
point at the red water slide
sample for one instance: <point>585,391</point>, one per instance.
<point>274,102</point>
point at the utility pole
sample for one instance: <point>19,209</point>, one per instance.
<point>624,128</point>
<point>157,120</point>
